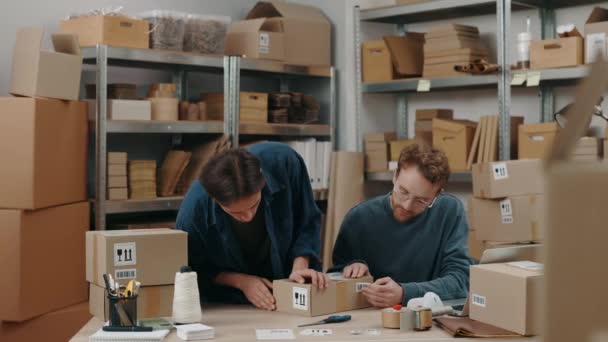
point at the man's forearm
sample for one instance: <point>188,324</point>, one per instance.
<point>230,279</point>
<point>301,263</point>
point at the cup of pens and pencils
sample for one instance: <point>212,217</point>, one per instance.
<point>122,306</point>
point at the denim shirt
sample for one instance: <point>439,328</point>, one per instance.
<point>292,220</point>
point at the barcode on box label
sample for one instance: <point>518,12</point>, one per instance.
<point>507,220</point>
<point>500,171</point>
<point>479,300</point>
<point>361,286</point>
<point>125,274</point>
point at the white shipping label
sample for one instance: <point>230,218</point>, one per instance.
<point>264,43</point>
<point>533,78</point>
<point>506,209</point>
<point>125,254</point>
<point>479,300</point>
<point>274,334</point>
<point>537,137</point>
<point>595,47</point>
<point>500,171</point>
<point>300,298</point>
<point>360,286</point>
<point>424,85</point>
<point>528,265</point>
<point>122,274</point>
<point>335,276</point>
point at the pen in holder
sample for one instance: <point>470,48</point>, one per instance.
<point>123,311</point>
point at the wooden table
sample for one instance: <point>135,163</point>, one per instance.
<point>238,323</point>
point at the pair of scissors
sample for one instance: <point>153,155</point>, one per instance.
<point>329,320</point>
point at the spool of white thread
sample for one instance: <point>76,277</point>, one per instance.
<point>186,298</point>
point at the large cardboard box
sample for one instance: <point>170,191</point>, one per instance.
<point>42,259</point>
<point>508,296</point>
<point>508,178</point>
<point>115,31</point>
<point>307,31</point>
<point>454,137</point>
<point>535,140</point>
<point>376,62</point>
<point>513,219</point>
<point>434,113</point>
<point>43,144</point>
<point>41,73</point>
<point>556,53</point>
<point>152,302</point>
<point>152,256</point>
<point>596,29</point>
<point>257,38</point>
<point>306,300</point>
<point>253,106</point>
<point>396,146</point>
<point>56,326</point>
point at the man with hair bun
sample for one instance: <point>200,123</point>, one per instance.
<point>413,240</point>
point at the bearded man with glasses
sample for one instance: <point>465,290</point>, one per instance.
<point>413,240</point>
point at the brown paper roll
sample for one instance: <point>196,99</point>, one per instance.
<point>202,111</point>
<point>183,110</point>
<point>164,109</point>
<point>391,318</point>
<point>193,112</point>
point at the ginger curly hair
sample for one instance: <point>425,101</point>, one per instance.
<point>431,162</point>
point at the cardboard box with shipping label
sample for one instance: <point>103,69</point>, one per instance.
<point>256,38</point>
<point>307,300</point>
<point>508,178</point>
<point>43,260</point>
<point>396,146</point>
<point>508,296</point>
<point>60,325</point>
<point>454,137</point>
<point>596,29</point>
<point>116,31</point>
<point>43,144</point>
<point>307,31</point>
<point>512,219</point>
<point>152,302</point>
<point>535,140</point>
<point>152,256</point>
<point>556,53</point>
<point>42,73</point>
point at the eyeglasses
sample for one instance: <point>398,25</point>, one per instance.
<point>418,203</point>
<point>562,120</point>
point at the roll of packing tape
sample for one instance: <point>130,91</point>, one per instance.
<point>408,320</point>
<point>424,319</point>
<point>164,109</point>
<point>391,318</point>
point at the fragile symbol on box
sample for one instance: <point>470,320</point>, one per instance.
<point>479,300</point>
<point>360,286</point>
<point>125,254</point>
<point>300,298</point>
<point>130,273</point>
<point>500,171</point>
<point>506,209</point>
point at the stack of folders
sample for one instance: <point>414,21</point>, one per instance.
<point>194,332</point>
<point>107,336</point>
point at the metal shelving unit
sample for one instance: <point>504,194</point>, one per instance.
<point>403,15</point>
<point>180,64</point>
<point>455,177</point>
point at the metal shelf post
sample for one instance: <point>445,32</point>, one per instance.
<point>358,79</point>
<point>101,136</point>
<point>504,78</point>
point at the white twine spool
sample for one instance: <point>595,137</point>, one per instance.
<point>186,299</point>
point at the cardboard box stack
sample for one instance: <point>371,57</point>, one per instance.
<point>306,300</point>
<point>424,123</point>
<point>117,176</point>
<point>449,45</point>
<point>136,254</point>
<point>377,151</point>
<point>44,212</point>
<point>142,179</point>
<point>508,202</point>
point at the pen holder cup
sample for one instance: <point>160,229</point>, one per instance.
<point>123,311</point>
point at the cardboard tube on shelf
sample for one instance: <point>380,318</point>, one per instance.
<point>164,109</point>
<point>193,112</point>
<point>202,111</point>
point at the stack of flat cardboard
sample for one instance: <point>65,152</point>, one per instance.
<point>142,179</point>
<point>150,256</point>
<point>44,212</point>
<point>424,123</point>
<point>450,45</point>
<point>485,142</point>
<point>117,176</point>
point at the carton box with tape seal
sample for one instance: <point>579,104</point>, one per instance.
<point>152,256</point>
<point>256,38</point>
<point>535,140</point>
<point>306,300</point>
<point>41,73</point>
<point>508,178</point>
<point>152,301</point>
<point>508,296</point>
<point>512,219</point>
